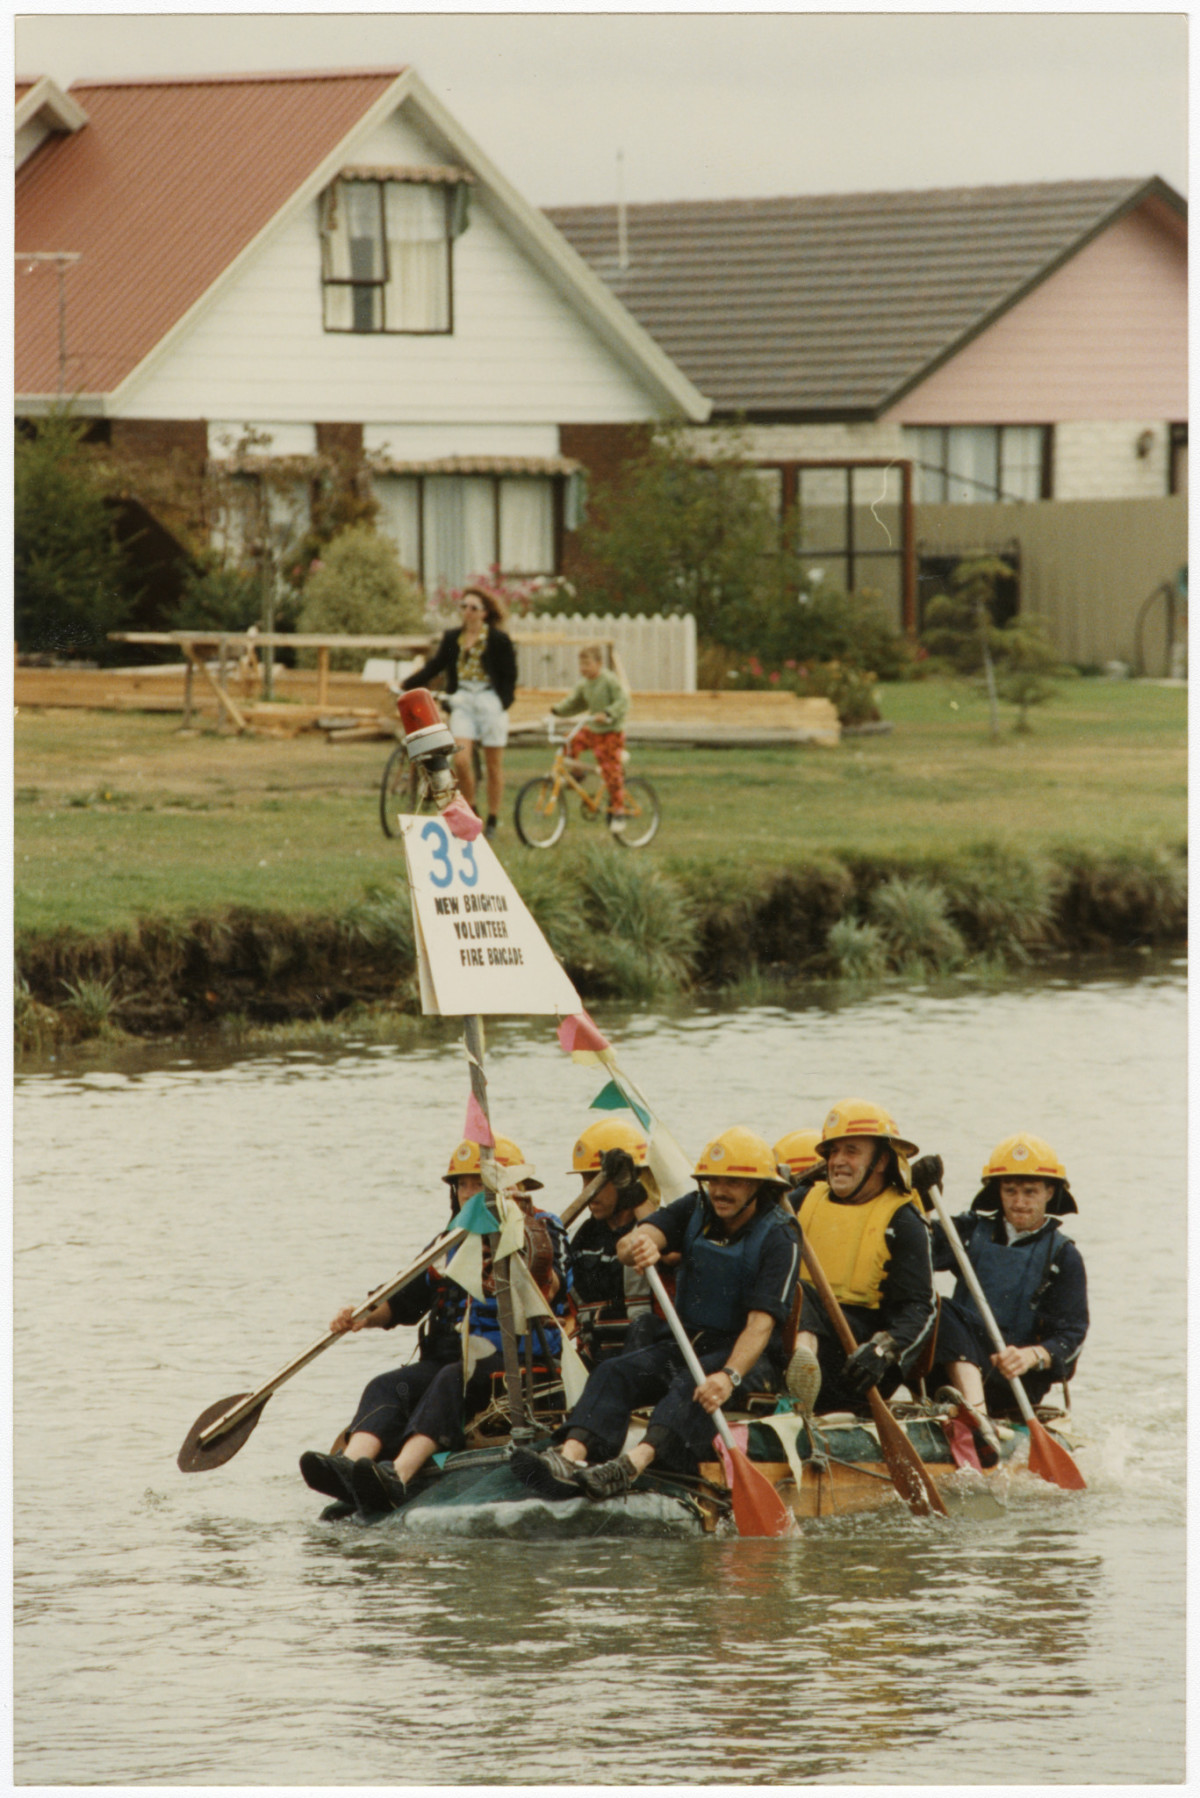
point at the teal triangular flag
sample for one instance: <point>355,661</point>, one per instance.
<point>476,1217</point>
<point>611,1098</point>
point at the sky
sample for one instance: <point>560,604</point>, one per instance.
<point>694,105</point>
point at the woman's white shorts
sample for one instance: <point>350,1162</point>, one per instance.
<point>476,715</point>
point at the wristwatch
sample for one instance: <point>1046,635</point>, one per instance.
<point>735,1378</point>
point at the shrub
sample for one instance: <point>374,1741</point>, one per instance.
<point>911,914</point>
<point>71,582</point>
<point>642,935</point>
<point>217,598</point>
<point>856,951</point>
<point>856,630</point>
<point>1025,664</point>
<point>360,589</point>
<point>1002,903</point>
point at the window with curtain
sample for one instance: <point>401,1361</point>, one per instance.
<point>449,528</point>
<point>386,262</point>
<point>977,464</point>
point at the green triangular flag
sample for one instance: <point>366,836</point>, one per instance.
<point>476,1217</point>
<point>611,1098</point>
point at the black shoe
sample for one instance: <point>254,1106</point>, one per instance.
<point>547,1473</point>
<point>490,829</point>
<point>331,1474</point>
<point>378,1487</point>
<point>610,1479</point>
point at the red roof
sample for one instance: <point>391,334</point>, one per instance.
<point>158,193</point>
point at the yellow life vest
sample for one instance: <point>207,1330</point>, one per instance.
<point>849,1241</point>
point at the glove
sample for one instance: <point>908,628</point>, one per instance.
<point>869,1362</point>
<point>927,1172</point>
<point>618,1166</point>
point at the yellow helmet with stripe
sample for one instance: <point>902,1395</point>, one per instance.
<point>609,1133</point>
<point>861,1117</point>
<point>797,1151</point>
<point>1024,1157</point>
<point>466,1160</point>
<point>738,1154</point>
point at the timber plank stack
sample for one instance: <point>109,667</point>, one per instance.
<point>355,710</point>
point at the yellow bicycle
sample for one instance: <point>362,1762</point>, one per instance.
<point>540,813</point>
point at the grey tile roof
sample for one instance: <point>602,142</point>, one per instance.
<point>834,305</point>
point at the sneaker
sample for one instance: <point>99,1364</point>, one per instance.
<point>610,1479</point>
<point>617,823</point>
<point>378,1487</point>
<point>546,1472</point>
<point>490,829</point>
<point>331,1474</point>
<point>803,1380</point>
<point>987,1443</point>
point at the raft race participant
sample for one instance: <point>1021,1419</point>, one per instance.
<point>405,1416</point>
<point>605,1293</point>
<point>736,1279</point>
<point>797,1159</point>
<point>1032,1276</point>
<point>864,1224</point>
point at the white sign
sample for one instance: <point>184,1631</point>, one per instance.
<point>478,948</point>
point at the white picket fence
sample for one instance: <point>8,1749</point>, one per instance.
<point>657,655</point>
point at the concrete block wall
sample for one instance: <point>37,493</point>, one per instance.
<point>1093,460</point>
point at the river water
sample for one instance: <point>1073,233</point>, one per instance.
<point>185,1226</point>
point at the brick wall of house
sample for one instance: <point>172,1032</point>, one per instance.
<point>602,449</point>
<point>151,439</point>
<point>334,439</point>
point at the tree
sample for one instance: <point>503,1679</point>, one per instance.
<point>359,588</point>
<point>960,626</point>
<point>1026,664</point>
<point>672,535</point>
<point>71,579</point>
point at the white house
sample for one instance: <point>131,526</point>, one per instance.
<point>325,260</point>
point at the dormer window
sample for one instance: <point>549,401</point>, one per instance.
<point>387,238</point>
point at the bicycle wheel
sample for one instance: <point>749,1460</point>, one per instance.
<point>401,790</point>
<point>642,814</point>
<point>540,813</point>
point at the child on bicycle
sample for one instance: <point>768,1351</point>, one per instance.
<point>601,695</point>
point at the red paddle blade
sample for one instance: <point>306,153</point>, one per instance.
<point>758,1509</point>
<point>1051,1460</point>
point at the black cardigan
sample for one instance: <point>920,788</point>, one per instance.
<point>499,664</point>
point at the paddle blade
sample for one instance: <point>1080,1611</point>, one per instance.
<point>1051,1460</point>
<point>910,1476</point>
<point>758,1509</point>
<point>198,1457</point>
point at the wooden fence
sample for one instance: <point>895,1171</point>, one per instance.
<point>657,655</point>
<point>1087,567</point>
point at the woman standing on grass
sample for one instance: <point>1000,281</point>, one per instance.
<point>480,665</point>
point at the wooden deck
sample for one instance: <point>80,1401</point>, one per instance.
<point>363,708</point>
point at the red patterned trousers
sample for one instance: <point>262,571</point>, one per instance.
<point>607,746</point>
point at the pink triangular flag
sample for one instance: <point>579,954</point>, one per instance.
<point>962,1443</point>
<point>578,1032</point>
<point>463,822</point>
<point>477,1128</point>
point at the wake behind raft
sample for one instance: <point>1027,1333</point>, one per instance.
<point>775,1466</point>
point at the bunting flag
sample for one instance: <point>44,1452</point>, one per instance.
<point>611,1098</point>
<point>530,1302</point>
<point>463,822</point>
<point>476,1217</point>
<point>581,1039</point>
<point>477,1129</point>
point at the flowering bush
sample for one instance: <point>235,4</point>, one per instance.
<point>519,596</point>
<point>854,691</point>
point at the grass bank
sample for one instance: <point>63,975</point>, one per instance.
<point>166,882</point>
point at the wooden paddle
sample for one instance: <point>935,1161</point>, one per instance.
<point>1046,1456</point>
<point>758,1509</point>
<point>910,1476</point>
<point>220,1431</point>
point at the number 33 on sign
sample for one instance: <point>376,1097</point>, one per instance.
<point>478,948</point>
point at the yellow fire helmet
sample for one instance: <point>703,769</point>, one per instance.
<point>738,1154</point>
<point>797,1151</point>
<point>466,1160</point>
<point>860,1117</point>
<point>1029,1158</point>
<point>608,1134</point>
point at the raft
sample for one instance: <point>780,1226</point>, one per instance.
<point>476,1495</point>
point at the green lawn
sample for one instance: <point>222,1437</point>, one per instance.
<point>118,814</point>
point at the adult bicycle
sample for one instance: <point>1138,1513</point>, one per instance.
<point>403,788</point>
<point>540,812</point>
